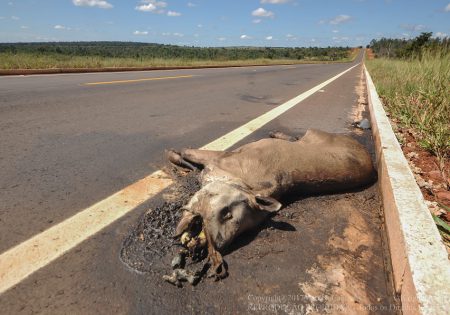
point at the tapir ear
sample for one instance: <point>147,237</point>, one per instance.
<point>185,223</point>
<point>268,203</point>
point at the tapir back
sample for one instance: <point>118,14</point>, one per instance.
<point>319,162</point>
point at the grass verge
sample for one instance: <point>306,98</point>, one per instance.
<point>416,96</point>
<point>10,61</point>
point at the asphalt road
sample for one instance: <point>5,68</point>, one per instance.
<point>66,145</point>
<point>68,141</point>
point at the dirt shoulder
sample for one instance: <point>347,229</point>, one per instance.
<point>431,177</point>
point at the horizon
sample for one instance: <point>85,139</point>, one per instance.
<point>198,23</point>
<point>160,44</point>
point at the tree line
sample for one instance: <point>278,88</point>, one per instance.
<point>409,48</point>
<point>145,50</point>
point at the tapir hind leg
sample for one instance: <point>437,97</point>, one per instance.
<point>282,136</point>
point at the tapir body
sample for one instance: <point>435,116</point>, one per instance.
<point>239,188</point>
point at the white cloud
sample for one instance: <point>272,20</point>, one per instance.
<point>245,37</point>
<point>93,3</point>
<point>275,1</point>
<point>447,8</point>
<point>199,25</point>
<point>261,12</point>
<point>173,13</point>
<point>222,39</point>
<point>413,27</point>
<point>440,34</point>
<point>269,37</point>
<point>191,5</point>
<point>257,21</point>
<point>340,19</point>
<point>23,27</point>
<point>340,39</point>
<point>140,33</point>
<point>44,38</point>
<point>152,6</point>
<point>173,34</point>
<point>15,18</point>
<point>61,27</point>
<point>290,37</point>
<point>335,31</point>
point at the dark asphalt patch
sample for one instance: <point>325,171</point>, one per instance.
<point>150,245</point>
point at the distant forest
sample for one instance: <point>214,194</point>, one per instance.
<point>409,48</point>
<point>146,51</point>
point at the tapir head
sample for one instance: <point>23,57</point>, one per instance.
<point>227,210</point>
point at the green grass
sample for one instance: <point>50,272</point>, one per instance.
<point>416,94</point>
<point>10,61</point>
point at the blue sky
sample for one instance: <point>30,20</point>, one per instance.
<point>222,23</point>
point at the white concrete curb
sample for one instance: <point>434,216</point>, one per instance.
<point>419,259</point>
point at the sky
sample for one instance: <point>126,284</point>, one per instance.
<point>279,23</point>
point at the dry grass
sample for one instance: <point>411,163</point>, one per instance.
<point>52,61</point>
<point>416,93</point>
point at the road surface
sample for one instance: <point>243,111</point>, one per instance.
<point>69,141</point>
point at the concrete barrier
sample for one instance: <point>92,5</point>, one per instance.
<point>421,266</point>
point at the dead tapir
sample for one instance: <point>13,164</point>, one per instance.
<point>240,188</point>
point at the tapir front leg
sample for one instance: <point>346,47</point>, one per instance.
<point>192,159</point>
<point>201,157</point>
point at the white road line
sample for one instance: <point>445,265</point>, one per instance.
<point>19,262</point>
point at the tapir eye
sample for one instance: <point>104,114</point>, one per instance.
<point>227,216</point>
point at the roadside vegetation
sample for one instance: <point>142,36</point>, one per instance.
<point>413,80</point>
<point>125,54</point>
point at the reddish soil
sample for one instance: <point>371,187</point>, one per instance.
<point>369,54</point>
<point>433,181</point>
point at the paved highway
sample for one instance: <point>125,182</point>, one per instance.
<point>66,145</point>
<point>69,141</point>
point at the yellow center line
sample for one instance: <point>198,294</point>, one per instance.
<point>24,259</point>
<point>139,80</point>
